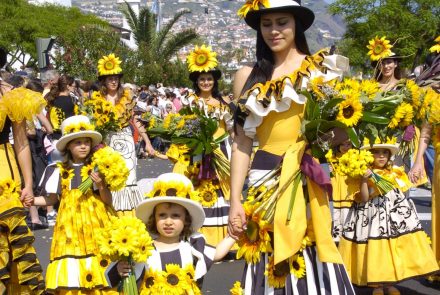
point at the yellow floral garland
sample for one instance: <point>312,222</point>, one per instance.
<point>77,127</point>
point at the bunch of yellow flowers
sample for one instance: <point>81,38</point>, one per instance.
<point>354,163</point>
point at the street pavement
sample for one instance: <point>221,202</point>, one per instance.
<point>222,275</point>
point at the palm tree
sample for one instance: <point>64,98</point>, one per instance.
<point>162,46</point>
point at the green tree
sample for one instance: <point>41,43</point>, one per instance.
<point>21,23</point>
<point>412,25</point>
<point>158,49</point>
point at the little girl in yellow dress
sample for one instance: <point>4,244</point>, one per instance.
<point>383,241</point>
<point>75,265</point>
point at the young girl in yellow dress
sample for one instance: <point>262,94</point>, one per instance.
<point>382,240</point>
<point>75,266</point>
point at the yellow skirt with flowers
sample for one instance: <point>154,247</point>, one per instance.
<point>75,263</point>
<point>20,271</point>
<point>383,241</point>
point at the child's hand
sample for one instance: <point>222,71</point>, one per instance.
<point>123,268</point>
<point>98,179</point>
<point>367,174</point>
<point>27,200</point>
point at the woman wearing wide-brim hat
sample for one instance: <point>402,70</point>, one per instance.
<point>283,257</point>
<point>109,76</point>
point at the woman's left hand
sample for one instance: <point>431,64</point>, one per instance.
<point>98,179</point>
<point>27,197</point>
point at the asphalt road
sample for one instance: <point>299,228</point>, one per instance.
<point>222,276</point>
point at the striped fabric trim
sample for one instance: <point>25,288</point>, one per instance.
<point>218,214</point>
<point>321,278</point>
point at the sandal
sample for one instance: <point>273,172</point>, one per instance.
<point>392,291</point>
<point>378,291</point>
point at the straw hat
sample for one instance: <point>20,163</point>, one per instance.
<point>252,16</point>
<point>172,188</point>
<point>393,148</point>
<point>77,127</point>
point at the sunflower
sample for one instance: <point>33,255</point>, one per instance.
<point>350,112</point>
<point>202,59</point>
<point>123,239</point>
<point>370,88</point>
<point>255,241</point>
<point>298,264</point>
<point>88,279</point>
<point>207,193</point>
<point>145,246</point>
<point>316,84</point>
<point>85,171</point>
<point>403,116</point>
<point>190,280</point>
<point>66,175</point>
<point>152,282</point>
<point>174,280</point>
<point>237,289</point>
<point>306,242</point>
<point>251,5</point>
<point>109,65</point>
<point>379,48</point>
<point>436,47</point>
<point>277,274</point>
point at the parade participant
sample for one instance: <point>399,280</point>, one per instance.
<point>289,256</point>
<point>383,241</point>
<point>75,264</point>
<point>173,220</point>
<point>344,189</point>
<point>20,270</point>
<point>110,74</point>
<point>202,63</point>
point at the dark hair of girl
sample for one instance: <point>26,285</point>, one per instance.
<point>397,71</point>
<point>214,92</point>
<point>263,69</point>
<point>186,232</point>
<point>55,90</point>
<point>35,85</point>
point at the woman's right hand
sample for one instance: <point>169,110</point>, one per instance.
<point>237,220</point>
<point>416,173</point>
<point>123,268</point>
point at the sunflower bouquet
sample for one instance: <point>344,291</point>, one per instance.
<point>110,165</point>
<point>127,239</point>
<point>150,121</point>
<point>174,280</point>
<point>101,113</point>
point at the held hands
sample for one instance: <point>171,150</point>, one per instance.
<point>124,268</point>
<point>416,173</point>
<point>237,221</point>
<point>27,197</point>
<point>98,180</point>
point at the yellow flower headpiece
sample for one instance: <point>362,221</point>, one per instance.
<point>251,5</point>
<point>168,187</point>
<point>436,47</point>
<point>77,127</point>
<point>389,140</point>
<point>379,48</point>
<point>109,65</point>
<point>202,59</point>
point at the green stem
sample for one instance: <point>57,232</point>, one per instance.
<point>296,182</point>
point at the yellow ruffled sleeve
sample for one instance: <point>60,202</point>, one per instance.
<point>22,103</point>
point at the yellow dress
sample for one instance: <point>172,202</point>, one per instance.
<point>277,126</point>
<point>383,241</point>
<point>75,264</point>
<point>436,208</point>
<point>20,270</point>
<point>215,225</point>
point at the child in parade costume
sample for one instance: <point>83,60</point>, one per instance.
<point>120,103</point>
<point>181,258</point>
<point>202,63</point>
<point>287,245</point>
<point>344,189</point>
<point>383,241</point>
<point>75,266</point>
<point>20,270</point>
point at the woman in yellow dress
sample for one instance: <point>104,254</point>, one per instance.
<point>110,74</point>
<point>20,271</point>
<point>75,264</point>
<point>290,250</point>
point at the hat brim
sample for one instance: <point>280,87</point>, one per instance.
<point>393,148</point>
<point>216,73</point>
<point>65,139</point>
<point>301,13</point>
<point>195,210</point>
<point>396,57</point>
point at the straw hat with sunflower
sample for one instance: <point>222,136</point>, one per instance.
<point>203,60</point>
<point>109,65</point>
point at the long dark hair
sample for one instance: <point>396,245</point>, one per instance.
<point>63,82</point>
<point>215,93</point>
<point>263,69</point>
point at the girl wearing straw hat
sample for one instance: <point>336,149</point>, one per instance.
<point>287,245</point>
